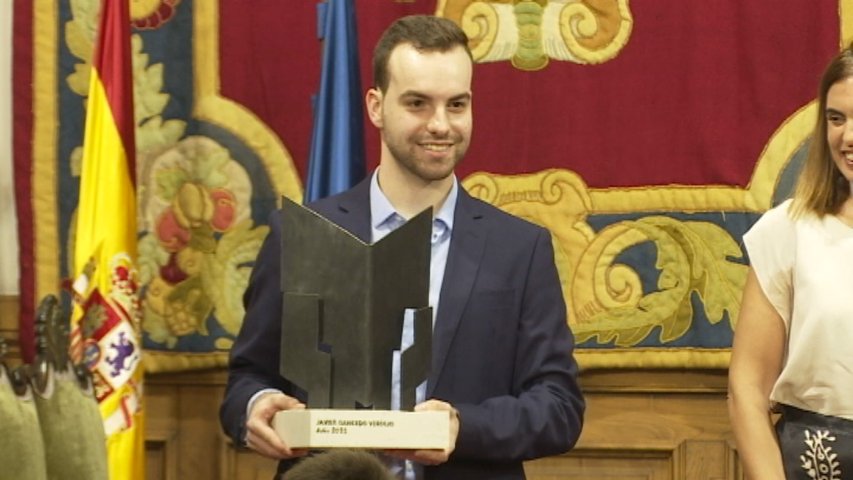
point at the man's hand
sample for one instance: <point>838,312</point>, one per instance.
<point>260,436</point>
<point>432,457</point>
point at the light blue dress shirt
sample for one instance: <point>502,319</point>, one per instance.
<point>384,220</point>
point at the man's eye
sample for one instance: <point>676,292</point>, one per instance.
<point>415,103</point>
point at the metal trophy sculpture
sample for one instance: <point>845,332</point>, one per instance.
<point>344,303</point>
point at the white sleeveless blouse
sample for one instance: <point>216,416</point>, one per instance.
<point>805,267</point>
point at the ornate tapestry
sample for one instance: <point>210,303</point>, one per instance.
<point>646,136</point>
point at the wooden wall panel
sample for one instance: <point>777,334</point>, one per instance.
<point>162,426</point>
<point>655,425</point>
<point>243,464</point>
<point>602,465</point>
<point>707,460</point>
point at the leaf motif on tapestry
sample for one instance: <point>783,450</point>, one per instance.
<point>691,257</point>
<point>608,300</point>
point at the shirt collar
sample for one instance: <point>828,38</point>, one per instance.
<point>446,214</point>
<point>381,210</point>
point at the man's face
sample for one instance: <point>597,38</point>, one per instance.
<point>424,116</point>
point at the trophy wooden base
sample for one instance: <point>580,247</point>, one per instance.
<point>371,429</point>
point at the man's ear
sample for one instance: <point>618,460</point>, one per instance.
<point>373,103</point>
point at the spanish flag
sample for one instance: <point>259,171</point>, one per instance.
<point>106,321</point>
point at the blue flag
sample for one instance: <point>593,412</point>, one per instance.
<point>336,161</point>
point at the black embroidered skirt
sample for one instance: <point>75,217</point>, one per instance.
<point>815,446</point>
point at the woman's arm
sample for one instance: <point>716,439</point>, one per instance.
<point>757,355</point>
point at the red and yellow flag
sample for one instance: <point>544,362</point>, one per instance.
<point>106,320</point>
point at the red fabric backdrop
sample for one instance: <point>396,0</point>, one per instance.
<point>691,99</point>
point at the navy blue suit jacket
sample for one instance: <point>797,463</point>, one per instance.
<point>502,350</point>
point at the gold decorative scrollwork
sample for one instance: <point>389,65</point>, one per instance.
<point>594,31</point>
<point>530,52</point>
<point>691,257</point>
<point>529,33</point>
<point>480,26</point>
<point>606,299</point>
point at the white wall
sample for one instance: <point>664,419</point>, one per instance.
<point>8,220</point>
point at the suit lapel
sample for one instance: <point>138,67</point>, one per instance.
<point>351,210</point>
<point>463,261</point>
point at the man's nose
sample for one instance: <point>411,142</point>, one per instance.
<point>438,123</point>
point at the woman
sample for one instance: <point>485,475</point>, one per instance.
<point>793,345</point>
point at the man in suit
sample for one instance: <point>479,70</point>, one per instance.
<point>502,361</point>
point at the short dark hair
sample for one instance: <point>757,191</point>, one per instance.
<point>424,33</point>
<point>340,465</point>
